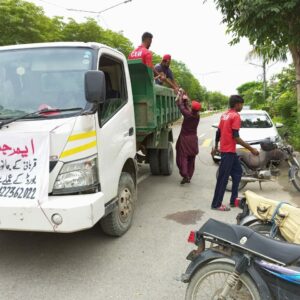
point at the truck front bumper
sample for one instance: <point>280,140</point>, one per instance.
<point>74,213</point>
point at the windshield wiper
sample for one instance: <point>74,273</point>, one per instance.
<point>42,111</point>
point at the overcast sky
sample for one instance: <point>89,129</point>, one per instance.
<point>188,30</point>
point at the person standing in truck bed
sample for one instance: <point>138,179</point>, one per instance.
<point>187,143</point>
<point>142,52</point>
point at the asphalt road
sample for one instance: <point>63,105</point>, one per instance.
<point>143,264</point>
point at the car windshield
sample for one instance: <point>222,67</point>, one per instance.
<point>41,78</point>
<point>255,121</point>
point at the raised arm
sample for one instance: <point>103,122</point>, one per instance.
<point>179,101</point>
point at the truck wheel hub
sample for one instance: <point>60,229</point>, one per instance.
<point>125,204</point>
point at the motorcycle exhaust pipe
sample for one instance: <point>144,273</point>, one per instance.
<point>249,179</point>
<point>253,179</point>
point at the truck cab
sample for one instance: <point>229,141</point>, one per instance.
<point>68,142</point>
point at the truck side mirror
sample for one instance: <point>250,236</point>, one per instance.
<point>95,87</point>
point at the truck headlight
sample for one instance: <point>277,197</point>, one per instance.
<point>77,176</point>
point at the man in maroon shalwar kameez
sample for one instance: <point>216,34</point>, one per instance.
<point>187,143</point>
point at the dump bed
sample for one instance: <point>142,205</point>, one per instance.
<point>154,105</point>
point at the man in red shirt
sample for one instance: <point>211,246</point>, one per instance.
<point>228,135</point>
<point>142,52</point>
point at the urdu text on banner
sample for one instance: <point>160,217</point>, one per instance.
<point>24,166</point>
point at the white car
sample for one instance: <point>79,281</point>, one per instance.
<point>256,126</point>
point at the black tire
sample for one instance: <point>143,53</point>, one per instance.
<point>294,175</point>
<point>229,184</point>
<point>120,219</point>
<point>167,160</point>
<point>265,229</point>
<point>221,270</point>
<point>154,161</point>
<point>216,161</point>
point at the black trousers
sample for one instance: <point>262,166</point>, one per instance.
<point>229,166</point>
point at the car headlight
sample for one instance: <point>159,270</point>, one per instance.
<point>277,139</point>
<point>77,176</point>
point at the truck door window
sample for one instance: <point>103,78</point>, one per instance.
<point>116,93</point>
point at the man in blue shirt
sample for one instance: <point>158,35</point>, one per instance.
<point>163,68</point>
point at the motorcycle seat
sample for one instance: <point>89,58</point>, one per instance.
<point>252,242</point>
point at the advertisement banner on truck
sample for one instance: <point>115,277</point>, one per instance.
<point>24,166</point>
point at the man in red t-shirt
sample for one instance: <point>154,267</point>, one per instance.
<point>142,52</point>
<point>228,135</point>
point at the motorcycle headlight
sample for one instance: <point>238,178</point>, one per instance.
<point>77,176</point>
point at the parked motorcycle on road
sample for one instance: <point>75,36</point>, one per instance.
<point>273,218</point>
<point>264,167</point>
<point>241,264</point>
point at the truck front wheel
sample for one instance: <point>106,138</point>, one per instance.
<point>120,219</point>
<point>167,160</point>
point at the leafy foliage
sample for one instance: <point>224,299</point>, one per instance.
<point>281,102</point>
<point>272,27</point>
<point>216,100</point>
<point>23,22</point>
<point>252,92</point>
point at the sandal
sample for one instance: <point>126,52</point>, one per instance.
<point>185,180</point>
<point>221,208</point>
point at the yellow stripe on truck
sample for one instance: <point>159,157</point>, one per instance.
<point>78,149</point>
<point>81,136</point>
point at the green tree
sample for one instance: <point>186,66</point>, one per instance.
<point>84,32</point>
<point>216,100</point>
<point>22,22</point>
<point>90,31</point>
<point>118,41</point>
<point>252,92</point>
<point>284,99</point>
<point>271,26</point>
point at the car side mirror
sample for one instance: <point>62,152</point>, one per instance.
<point>278,125</point>
<point>95,87</point>
<point>215,125</point>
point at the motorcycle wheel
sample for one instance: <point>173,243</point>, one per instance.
<point>229,184</point>
<point>295,177</point>
<point>208,282</point>
<point>265,229</point>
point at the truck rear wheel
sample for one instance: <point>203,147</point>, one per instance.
<point>154,161</point>
<point>167,160</point>
<point>120,219</point>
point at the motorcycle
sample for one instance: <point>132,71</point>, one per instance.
<point>264,167</point>
<point>240,264</point>
<point>276,219</point>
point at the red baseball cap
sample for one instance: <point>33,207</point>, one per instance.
<point>167,57</point>
<point>196,105</point>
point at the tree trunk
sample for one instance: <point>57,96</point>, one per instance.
<point>296,59</point>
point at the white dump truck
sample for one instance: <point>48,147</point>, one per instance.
<point>72,118</point>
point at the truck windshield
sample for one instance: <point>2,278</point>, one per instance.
<point>41,78</point>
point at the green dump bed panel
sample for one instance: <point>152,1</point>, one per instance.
<point>154,105</point>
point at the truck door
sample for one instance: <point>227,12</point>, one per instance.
<point>116,137</point>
